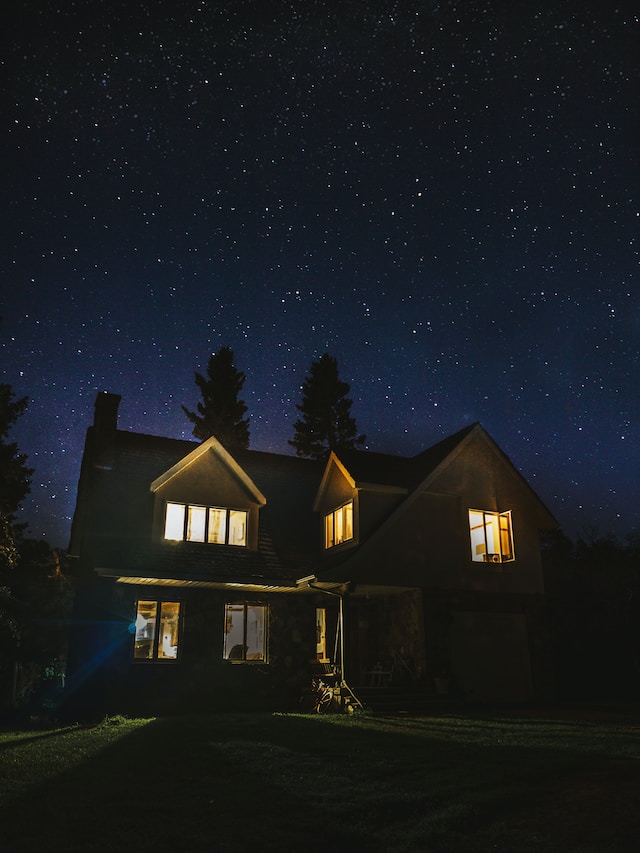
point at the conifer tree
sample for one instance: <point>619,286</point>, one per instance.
<point>326,423</point>
<point>15,480</point>
<point>15,476</point>
<point>221,413</point>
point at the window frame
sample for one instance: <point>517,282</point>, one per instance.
<point>191,512</point>
<point>158,620</point>
<point>336,519</point>
<point>244,646</point>
<point>501,536</point>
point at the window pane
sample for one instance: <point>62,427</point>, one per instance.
<point>348,520</point>
<point>234,648</point>
<point>478,544</point>
<point>174,522</point>
<point>491,536</point>
<point>255,632</point>
<point>217,526</point>
<point>245,632</point>
<point>328,531</point>
<point>195,523</point>
<point>506,537</point>
<point>237,527</point>
<point>492,533</point>
<point>169,623</point>
<point>321,633</point>
<point>145,630</point>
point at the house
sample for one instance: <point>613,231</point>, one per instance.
<point>218,580</point>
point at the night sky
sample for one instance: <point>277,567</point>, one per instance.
<point>444,196</point>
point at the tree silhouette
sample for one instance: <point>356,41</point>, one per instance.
<point>221,413</point>
<point>15,476</point>
<point>326,423</point>
<point>15,480</point>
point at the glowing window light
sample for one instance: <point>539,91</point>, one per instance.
<point>174,522</point>
<point>214,525</point>
<point>245,633</point>
<point>491,536</point>
<point>156,639</point>
<point>338,525</point>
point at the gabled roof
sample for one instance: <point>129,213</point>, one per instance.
<point>211,445</point>
<point>419,472</point>
<point>115,507</point>
<point>374,471</point>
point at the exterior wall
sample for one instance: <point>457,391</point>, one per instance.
<point>387,640</point>
<point>427,544</point>
<point>200,679</point>
<point>373,508</point>
<point>484,479</point>
<point>487,647</point>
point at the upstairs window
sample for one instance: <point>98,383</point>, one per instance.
<point>157,629</point>
<point>213,525</point>
<point>491,536</point>
<point>245,633</point>
<point>338,525</point>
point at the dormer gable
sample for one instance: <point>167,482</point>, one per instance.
<point>356,490</point>
<point>359,470</point>
<point>472,508</point>
<point>207,497</point>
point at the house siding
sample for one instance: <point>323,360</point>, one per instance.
<point>200,678</point>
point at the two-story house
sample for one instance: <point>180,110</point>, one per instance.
<point>218,580</point>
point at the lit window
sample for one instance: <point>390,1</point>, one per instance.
<point>245,633</point>
<point>174,522</point>
<point>491,536</point>
<point>156,630</point>
<point>338,525</point>
<point>321,634</point>
<point>214,525</point>
<point>196,523</point>
<point>217,526</point>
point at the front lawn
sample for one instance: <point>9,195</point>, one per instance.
<point>291,782</point>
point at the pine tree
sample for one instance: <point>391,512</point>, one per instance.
<point>221,413</point>
<point>326,423</point>
<point>15,477</point>
<point>15,480</point>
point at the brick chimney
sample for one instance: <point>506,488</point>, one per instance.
<point>105,425</point>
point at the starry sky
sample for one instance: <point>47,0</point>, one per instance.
<point>442,195</point>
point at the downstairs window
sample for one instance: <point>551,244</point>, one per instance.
<point>157,628</point>
<point>245,634</point>
<point>491,536</point>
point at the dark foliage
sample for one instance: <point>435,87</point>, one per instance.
<point>35,594</point>
<point>15,476</point>
<point>221,413</point>
<point>326,423</point>
<point>593,592</point>
<point>35,649</point>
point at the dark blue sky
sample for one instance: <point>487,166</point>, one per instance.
<point>442,195</point>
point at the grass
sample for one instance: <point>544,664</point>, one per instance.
<point>292,782</point>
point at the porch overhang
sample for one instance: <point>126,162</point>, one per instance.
<point>248,584</point>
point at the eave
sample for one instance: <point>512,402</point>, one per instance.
<point>261,585</point>
<point>211,445</point>
<point>360,485</point>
